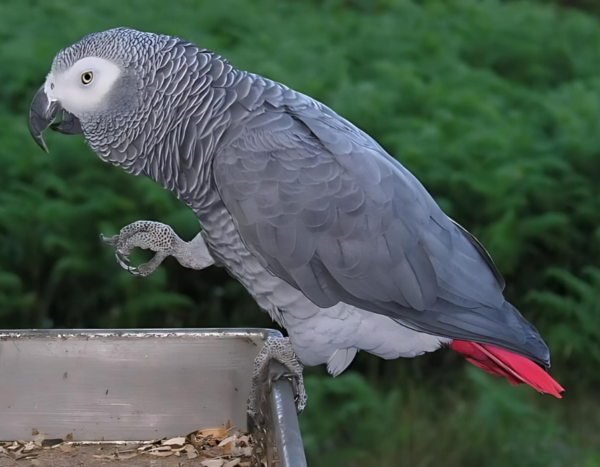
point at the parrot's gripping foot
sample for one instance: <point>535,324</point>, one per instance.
<point>279,349</point>
<point>161,239</point>
<point>147,235</point>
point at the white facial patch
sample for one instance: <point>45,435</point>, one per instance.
<point>70,88</point>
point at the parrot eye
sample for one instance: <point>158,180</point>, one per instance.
<point>87,77</point>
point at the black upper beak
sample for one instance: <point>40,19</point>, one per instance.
<point>41,115</point>
<point>43,112</point>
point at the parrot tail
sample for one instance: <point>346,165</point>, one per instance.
<point>515,368</point>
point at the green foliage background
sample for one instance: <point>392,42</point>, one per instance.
<point>494,105</point>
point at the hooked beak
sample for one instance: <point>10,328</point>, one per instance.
<point>42,114</point>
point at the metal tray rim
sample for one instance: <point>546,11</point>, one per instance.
<point>137,333</point>
<point>288,438</point>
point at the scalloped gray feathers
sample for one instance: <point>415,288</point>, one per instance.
<point>317,201</point>
<point>331,213</point>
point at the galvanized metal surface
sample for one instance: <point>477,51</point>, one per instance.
<point>124,385</point>
<point>286,430</point>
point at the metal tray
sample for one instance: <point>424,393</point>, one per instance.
<point>137,384</point>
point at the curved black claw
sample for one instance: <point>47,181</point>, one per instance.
<point>110,240</point>
<point>142,270</point>
<point>134,271</point>
<point>123,259</point>
<point>146,235</point>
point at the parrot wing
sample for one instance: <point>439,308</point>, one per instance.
<point>326,209</point>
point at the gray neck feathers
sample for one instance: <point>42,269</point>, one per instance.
<point>209,107</point>
<point>187,119</point>
<point>187,105</point>
<point>175,107</point>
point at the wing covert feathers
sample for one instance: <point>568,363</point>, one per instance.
<point>326,209</point>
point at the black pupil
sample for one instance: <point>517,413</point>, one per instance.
<point>87,77</point>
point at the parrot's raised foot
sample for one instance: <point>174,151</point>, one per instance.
<point>279,349</point>
<point>161,239</point>
<point>147,235</point>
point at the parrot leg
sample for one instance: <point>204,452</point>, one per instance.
<point>279,349</point>
<point>161,239</point>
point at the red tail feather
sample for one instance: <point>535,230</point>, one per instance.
<point>515,368</point>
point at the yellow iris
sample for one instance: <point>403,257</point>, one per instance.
<point>87,77</point>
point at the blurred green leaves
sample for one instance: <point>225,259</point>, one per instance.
<point>575,314</point>
<point>422,426</point>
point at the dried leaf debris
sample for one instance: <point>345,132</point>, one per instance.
<point>18,450</point>
<point>215,447</point>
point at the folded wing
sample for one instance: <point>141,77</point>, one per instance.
<point>328,210</point>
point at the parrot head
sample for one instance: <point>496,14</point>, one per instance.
<point>85,88</point>
<point>110,87</point>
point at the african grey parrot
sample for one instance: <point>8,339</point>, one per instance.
<point>334,238</point>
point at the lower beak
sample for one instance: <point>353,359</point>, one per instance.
<point>43,112</point>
